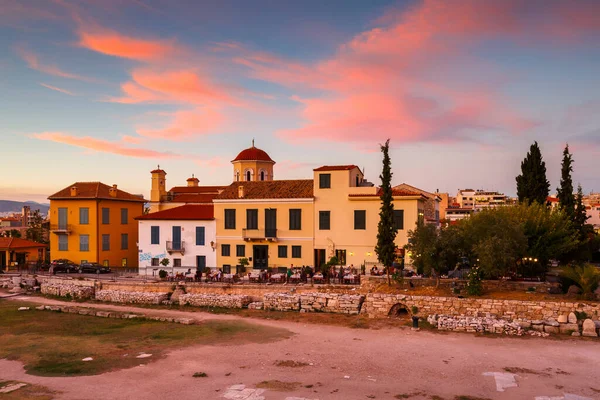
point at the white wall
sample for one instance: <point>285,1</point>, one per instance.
<point>148,251</point>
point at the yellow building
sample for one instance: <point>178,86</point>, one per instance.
<point>94,222</point>
<point>17,252</point>
<point>268,222</point>
<point>347,214</point>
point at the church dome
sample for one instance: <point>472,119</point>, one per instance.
<point>253,154</point>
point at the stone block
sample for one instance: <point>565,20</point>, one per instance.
<point>567,328</point>
<point>551,329</point>
<point>589,328</point>
<point>563,318</point>
<point>572,318</point>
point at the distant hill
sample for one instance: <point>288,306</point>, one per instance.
<point>17,206</point>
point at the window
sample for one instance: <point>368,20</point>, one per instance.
<point>324,181</point>
<point>225,250</point>
<point>84,242</point>
<point>295,219</point>
<point>62,218</point>
<point>324,220</point>
<point>124,215</point>
<point>262,175</point>
<point>154,235</point>
<point>248,176</point>
<point>84,216</point>
<point>341,256</point>
<point>251,219</point>
<point>230,219</point>
<point>360,219</point>
<point>399,219</point>
<point>177,262</point>
<point>105,242</point>
<point>106,216</point>
<point>105,263</point>
<point>282,251</point>
<point>124,241</point>
<point>240,250</point>
<point>154,262</point>
<point>296,251</point>
<point>63,243</point>
<point>123,262</point>
<point>200,232</point>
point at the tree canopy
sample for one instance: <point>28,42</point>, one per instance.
<point>532,184</point>
<point>386,230</point>
<point>566,198</point>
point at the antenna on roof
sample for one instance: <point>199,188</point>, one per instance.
<point>252,142</point>
<point>158,166</point>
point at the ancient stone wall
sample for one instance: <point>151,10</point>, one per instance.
<point>331,302</point>
<point>281,302</point>
<point>67,290</point>
<point>121,296</point>
<point>215,300</point>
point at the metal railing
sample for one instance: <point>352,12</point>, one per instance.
<point>259,233</point>
<point>61,228</point>
<point>176,247</point>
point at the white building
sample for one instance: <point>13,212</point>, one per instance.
<point>593,212</point>
<point>184,235</point>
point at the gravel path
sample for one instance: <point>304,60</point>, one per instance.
<point>343,363</point>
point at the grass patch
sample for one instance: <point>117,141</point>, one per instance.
<point>53,344</point>
<point>200,375</point>
<point>278,385</point>
<point>29,392</point>
<point>290,363</point>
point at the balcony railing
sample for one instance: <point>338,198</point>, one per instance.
<point>259,234</point>
<point>173,247</point>
<point>61,229</point>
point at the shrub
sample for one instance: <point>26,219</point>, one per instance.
<point>162,274</point>
<point>200,375</point>
<point>587,277</point>
<point>474,285</point>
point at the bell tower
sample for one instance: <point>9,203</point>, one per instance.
<point>252,165</point>
<point>159,183</point>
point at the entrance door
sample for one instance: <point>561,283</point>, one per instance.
<point>271,222</point>
<point>176,238</point>
<point>200,264</point>
<point>319,258</point>
<point>260,254</point>
<point>3,260</point>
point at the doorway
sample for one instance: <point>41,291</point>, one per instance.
<point>260,256</point>
<point>319,258</point>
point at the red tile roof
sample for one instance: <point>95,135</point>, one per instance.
<point>395,193</point>
<point>336,168</point>
<point>18,243</point>
<point>284,189</point>
<point>94,190</point>
<point>253,154</point>
<point>188,212</point>
<point>193,198</point>
<point>154,171</point>
<point>551,199</point>
<point>196,189</point>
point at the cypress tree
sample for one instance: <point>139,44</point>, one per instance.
<point>532,185</point>
<point>580,216</point>
<point>566,198</point>
<point>386,229</point>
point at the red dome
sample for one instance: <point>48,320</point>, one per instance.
<point>253,154</point>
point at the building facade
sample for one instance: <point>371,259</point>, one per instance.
<point>185,235</point>
<point>94,222</point>
<point>17,252</point>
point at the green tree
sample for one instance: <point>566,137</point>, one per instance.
<point>586,277</point>
<point>532,185</point>
<point>452,247</point>
<point>14,233</point>
<point>580,216</point>
<point>566,198</point>
<point>423,245</point>
<point>36,231</point>
<point>386,229</point>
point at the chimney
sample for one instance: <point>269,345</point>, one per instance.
<point>113,191</point>
<point>193,181</point>
<point>240,192</point>
<point>73,191</point>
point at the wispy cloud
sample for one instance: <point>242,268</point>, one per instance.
<point>103,146</point>
<point>65,91</point>
<point>35,63</point>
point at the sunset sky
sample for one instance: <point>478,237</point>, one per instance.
<point>106,90</point>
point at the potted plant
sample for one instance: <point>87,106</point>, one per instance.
<point>162,274</point>
<point>243,262</point>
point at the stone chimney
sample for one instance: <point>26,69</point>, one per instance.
<point>73,191</point>
<point>240,192</point>
<point>193,181</point>
<point>113,191</point>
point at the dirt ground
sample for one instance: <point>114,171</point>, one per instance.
<point>336,362</point>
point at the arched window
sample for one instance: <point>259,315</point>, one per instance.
<point>237,176</point>
<point>262,175</point>
<point>248,176</point>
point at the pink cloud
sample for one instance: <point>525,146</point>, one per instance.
<point>186,123</point>
<point>34,62</point>
<point>213,163</point>
<point>118,45</point>
<point>65,91</point>
<point>416,77</point>
<point>131,139</point>
<point>100,145</point>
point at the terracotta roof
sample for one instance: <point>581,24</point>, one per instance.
<point>94,190</point>
<point>284,189</point>
<point>10,219</point>
<point>192,179</point>
<point>395,193</point>
<point>18,243</point>
<point>335,168</point>
<point>154,171</point>
<point>188,212</point>
<point>551,199</point>
<point>196,189</point>
<point>253,154</point>
<point>193,198</point>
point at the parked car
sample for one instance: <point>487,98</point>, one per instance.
<point>93,268</point>
<point>63,265</point>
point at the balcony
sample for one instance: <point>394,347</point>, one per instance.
<point>259,234</point>
<point>61,229</point>
<point>175,247</point>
